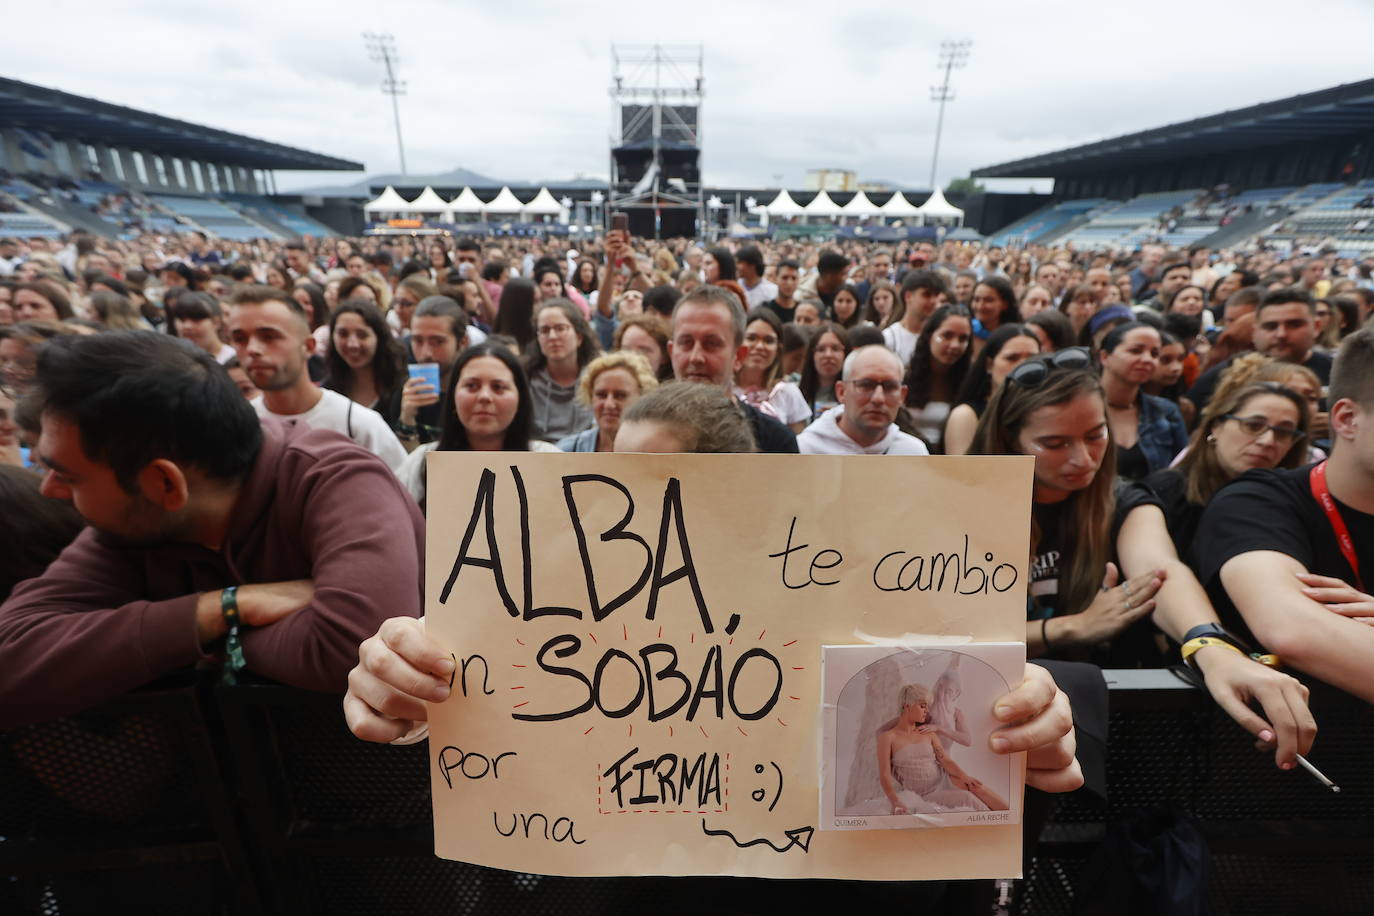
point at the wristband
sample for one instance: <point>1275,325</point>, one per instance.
<point>1045,634</point>
<point>1190,648</point>
<point>406,431</point>
<point>234,661</point>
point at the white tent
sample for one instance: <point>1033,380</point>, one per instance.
<point>898,206</point>
<point>466,202</point>
<point>939,208</point>
<point>859,206</point>
<point>783,205</point>
<point>543,204</point>
<point>429,201</point>
<point>504,202</point>
<point>822,205</point>
<point>387,202</point>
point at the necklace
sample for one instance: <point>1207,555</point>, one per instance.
<point>1130,406</point>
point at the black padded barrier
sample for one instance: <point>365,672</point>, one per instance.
<point>189,797</point>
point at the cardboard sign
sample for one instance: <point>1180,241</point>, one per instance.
<point>638,641</point>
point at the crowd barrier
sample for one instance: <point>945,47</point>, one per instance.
<point>189,797</point>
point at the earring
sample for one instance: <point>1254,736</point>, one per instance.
<point>1212,439</point>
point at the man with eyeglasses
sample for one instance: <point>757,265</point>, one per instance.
<point>1287,556</point>
<point>870,392</point>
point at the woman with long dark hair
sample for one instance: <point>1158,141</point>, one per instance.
<point>822,367</point>
<point>485,409</point>
<point>993,305</point>
<point>364,362</point>
<point>758,376</point>
<point>1054,410</point>
<point>1148,430</point>
<point>1005,349</point>
<point>936,372</point>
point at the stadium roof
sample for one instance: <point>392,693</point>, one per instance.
<point>1342,110</point>
<point>72,117</point>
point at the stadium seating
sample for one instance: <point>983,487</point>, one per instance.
<point>1045,220</point>
<point>214,218</point>
<point>1130,224</point>
<point>289,219</point>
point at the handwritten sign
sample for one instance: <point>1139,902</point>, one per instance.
<point>638,647</point>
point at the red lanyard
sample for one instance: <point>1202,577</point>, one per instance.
<point>1322,493</point>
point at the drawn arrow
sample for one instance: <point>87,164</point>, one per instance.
<point>800,836</point>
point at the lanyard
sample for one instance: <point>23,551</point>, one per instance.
<point>1322,494</point>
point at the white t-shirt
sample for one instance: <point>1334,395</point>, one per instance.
<point>900,341</point>
<point>361,424</point>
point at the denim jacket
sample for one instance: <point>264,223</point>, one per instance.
<point>1162,433</point>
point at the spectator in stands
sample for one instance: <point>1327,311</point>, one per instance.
<point>41,301</point>
<point>278,276</point>
<point>1313,278</point>
<point>1143,277</point>
<point>880,302</point>
<point>301,265</point>
<point>187,496</point>
<point>410,292</point>
<point>1284,553</point>
<point>1147,431</point>
<point>1008,347</point>
<point>920,295</point>
<point>706,343</point>
<point>10,256</point>
<point>468,252</point>
<point>584,277</point>
<point>993,305</point>
<point>1079,305</point>
<point>565,345</point>
<point>832,269</point>
<point>440,263</point>
<point>961,291</point>
<point>486,408</point>
<point>438,334</point>
<point>870,392</point>
<point>1285,328</point>
<point>609,386</point>
<point>1172,277</point>
<point>845,310</point>
<point>197,317</point>
<point>1049,276</point>
<point>937,371</point>
<point>758,374</point>
<point>363,361</point>
<point>272,338</point>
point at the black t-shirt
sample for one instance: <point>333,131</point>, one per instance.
<point>784,314</point>
<point>1202,389</point>
<point>1273,510</point>
<point>1170,489</point>
<point>770,434</point>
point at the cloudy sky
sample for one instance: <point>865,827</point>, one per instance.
<point>519,90</point>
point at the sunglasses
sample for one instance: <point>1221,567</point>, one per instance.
<point>1033,372</point>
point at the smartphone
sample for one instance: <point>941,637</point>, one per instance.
<point>620,222</point>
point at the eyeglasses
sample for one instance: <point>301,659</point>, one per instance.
<point>867,386</point>
<point>554,330</point>
<point>1255,426</point>
<point>1033,372</point>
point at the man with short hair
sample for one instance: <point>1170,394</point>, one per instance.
<point>271,336</point>
<point>784,303</point>
<point>187,493</point>
<point>749,265</point>
<point>1313,280</point>
<point>1143,276</point>
<point>438,333</point>
<point>1049,276</point>
<point>870,393</point>
<point>706,343</point>
<point>1285,329</point>
<point>467,255</point>
<point>1172,278</point>
<point>1242,302</point>
<point>920,293</point>
<point>202,255</point>
<point>301,265</point>
<point>1278,551</point>
<point>821,287</point>
<point>10,256</point>
<point>1099,279</point>
<point>879,271</point>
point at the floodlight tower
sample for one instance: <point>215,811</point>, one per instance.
<point>381,47</point>
<point>656,93</point>
<point>953,56</point>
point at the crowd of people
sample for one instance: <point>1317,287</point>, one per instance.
<point>216,449</point>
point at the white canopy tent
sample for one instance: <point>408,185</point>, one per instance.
<point>387,202</point>
<point>860,206</point>
<point>898,207</point>
<point>937,208</point>
<point>466,202</point>
<point>429,201</point>
<point>821,205</point>
<point>783,205</point>
<point>504,202</point>
<point>543,204</point>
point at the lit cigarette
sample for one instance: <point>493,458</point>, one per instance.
<point>1321,777</point>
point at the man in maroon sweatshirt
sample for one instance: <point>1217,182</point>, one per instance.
<point>186,494</point>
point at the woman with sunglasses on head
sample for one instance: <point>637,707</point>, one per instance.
<point>938,366</point>
<point>1005,349</point>
<point>1054,409</point>
<point>1148,430</point>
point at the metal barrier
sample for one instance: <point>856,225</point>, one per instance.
<point>190,798</point>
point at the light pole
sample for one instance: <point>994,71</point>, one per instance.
<point>382,48</point>
<point>953,56</point>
